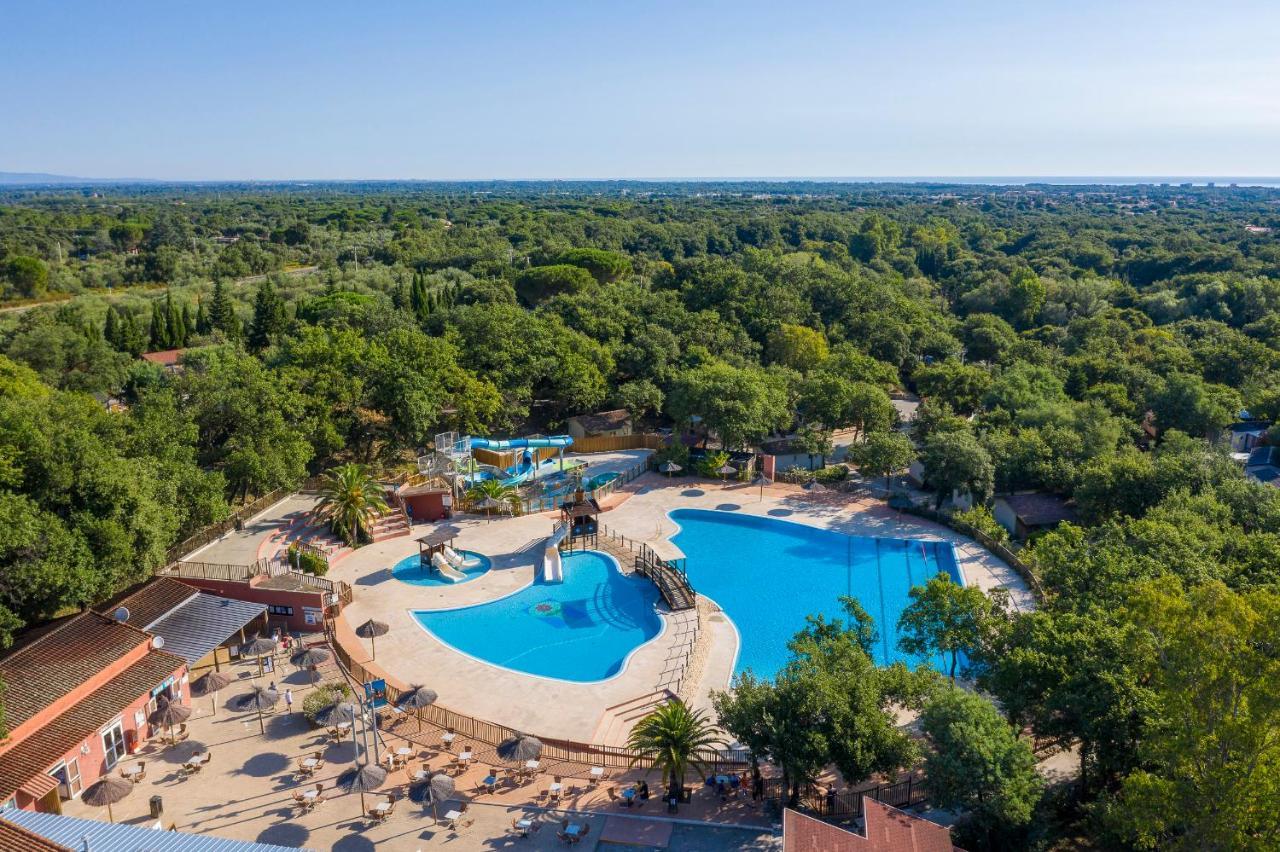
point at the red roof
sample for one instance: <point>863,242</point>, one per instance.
<point>167,358</point>
<point>887,830</point>
<point>15,838</point>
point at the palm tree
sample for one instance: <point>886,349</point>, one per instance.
<point>351,499</point>
<point>493,489</point>
<point>674,738</point>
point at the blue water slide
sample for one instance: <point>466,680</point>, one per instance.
<point>524,467</point>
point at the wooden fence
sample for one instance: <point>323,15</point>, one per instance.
<point>491,733</point>
<point>216,531</point>
<point>615,443</point>
<point>217,570</point>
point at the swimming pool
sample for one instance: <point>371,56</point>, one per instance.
<point>411,570</point>
<point>582,630</point>
<point>767,575</point>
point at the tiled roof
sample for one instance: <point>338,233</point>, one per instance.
<point>15,838</point>
<point>887,829</point>
<point>153,601</point>
<point>165,358</point>
<point>37,753</point>
<point>604,421</point>
<point>60,660</point>
<point>1037,510</point>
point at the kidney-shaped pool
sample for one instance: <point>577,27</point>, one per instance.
<point>583,629</point>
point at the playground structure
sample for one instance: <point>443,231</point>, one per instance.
<point>454,458</point>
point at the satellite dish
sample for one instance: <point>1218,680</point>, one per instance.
<point>121,614</point>
<point>157,642</point>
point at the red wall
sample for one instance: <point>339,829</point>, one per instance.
<point>270,597</point>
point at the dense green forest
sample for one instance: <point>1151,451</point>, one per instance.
<point>1087,341</point>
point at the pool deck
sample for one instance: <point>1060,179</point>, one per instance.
<point>578,711</point>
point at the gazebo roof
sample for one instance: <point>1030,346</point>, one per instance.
<point>438,536</point>
<point>580,510</point>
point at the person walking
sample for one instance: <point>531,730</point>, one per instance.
<point>288,700</point>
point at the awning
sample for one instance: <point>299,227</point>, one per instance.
<point>203,623</point>
<point>39,786</point>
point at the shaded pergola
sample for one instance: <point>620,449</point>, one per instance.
<point>582,519</point>
<point>435,541</point>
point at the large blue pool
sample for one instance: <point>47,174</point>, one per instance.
<point>767,575</point>
<point>580,630</point>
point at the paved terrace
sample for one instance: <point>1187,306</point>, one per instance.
<point>246,792</point>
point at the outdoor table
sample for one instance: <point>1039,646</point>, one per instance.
<point>465,756</point>
<point>573,829</point>
<point>310,763</point>
<point>556,786</point>
<point>490,781</point>
<point>597,772</point>
<point>132,774</point>
<point>629,794</point>
<point>381,807</point>
<point>452,815</point>
<point>310,794</point>
<point>524,826</point>
<point>722,779</point>
<point>532,765</point>
<point>404,751</point>
<point>343,727</point>
<point>447,739</point>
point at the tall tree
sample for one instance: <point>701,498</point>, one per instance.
<point>269,318</point>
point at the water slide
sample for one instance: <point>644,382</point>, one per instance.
<point>446,570</point>
<point>524,467</point>
<point>552,565</point>
<point>457,560</point>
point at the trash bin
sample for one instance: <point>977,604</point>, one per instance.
<point>157,807</point>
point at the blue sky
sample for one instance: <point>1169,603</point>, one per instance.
<point>473,89</point>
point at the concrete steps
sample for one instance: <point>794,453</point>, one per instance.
<point>617,721</point>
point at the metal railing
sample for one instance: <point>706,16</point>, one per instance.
<point>996,547</point>
<point>848,804</point>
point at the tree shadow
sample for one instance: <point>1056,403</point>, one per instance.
<point>692,492</point>
<point>375,578</point>
<point>353,843</point>
<point>781,513</point>
<point>284,834</point>
<point>728,507</point>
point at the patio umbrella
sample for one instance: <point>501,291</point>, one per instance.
<point>488,504</point>
<point>167,714</point>
<point>761,480</point>
<point>259,698</point>
<point>669,468</point>
<point>366,778</point>
<point>342,711</point>
<point>370,630</point>
<point>415,698</point>
<point>520,748</point>
<point>260,647</point>
<point>726,470</point>
<point>813,486</point>
<point>210,683</point>
<point>309,659</point>
<point>439,789</point>
<point>106,792</point>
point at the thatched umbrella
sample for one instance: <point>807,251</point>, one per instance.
<point>761,480</point>
<point>210,683</point>
<point>520,748</point>
<point>342,711</point>
<point>262,646</point>
<point>415,698</point>
<point>366,778</point>
<point>813,486</point>
<point>167,714</point>
<point>669,468</point>
<point>488,504</point>
<point>309,659</point>
<point>106,792</point>
<point>259,698</point>
<point>439,789</point>
<point>726,470</point>
<point>370,630</point>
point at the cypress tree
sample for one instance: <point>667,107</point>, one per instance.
<point>268,317</point>
<point>110,329</point>
<point>159,328</point>
<point>202,318</point>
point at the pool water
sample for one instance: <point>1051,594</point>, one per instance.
<point>582,630</point>
<point>411,570</point>
<point>768,575</point>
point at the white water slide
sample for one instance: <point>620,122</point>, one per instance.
<point>552,564</point>
<point>446,570</point>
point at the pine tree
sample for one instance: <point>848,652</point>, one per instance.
<point>159,328</point>
<point>400,297</point>
<point>188,324</point>
<point>111,329</point>
<point>202,318</point>
<point>268,317</point>
<point>222,313</point>
<point>173,322</point>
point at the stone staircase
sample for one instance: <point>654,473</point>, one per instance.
<point>391,524</point>
<point>617,721</point>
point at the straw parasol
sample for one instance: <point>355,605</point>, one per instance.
<point>520,748</point>
<point>210,683</point>
<point>167,714</point>
<point>415,698</point>
<point>669,468</point>
<point>366,778</point>
<point>259,698</point>
<point>439,789</point>
<point>488,504</point>
<point>106,792</point>
<point>371,630</point>
<point>726,470</point>
<point>342,711</point>
<point>309,659</point>
<point>260,647</point>
<point>761,480</point>
<point>813,486</point>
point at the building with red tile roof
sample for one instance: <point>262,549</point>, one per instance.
<point>885,829</point>
<point>76,698</point>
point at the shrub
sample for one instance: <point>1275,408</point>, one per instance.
<point>981,519</point>
<point>307,561</point>
<point>674,451</point>
<point>323,696</point>
<point>711,464</point>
